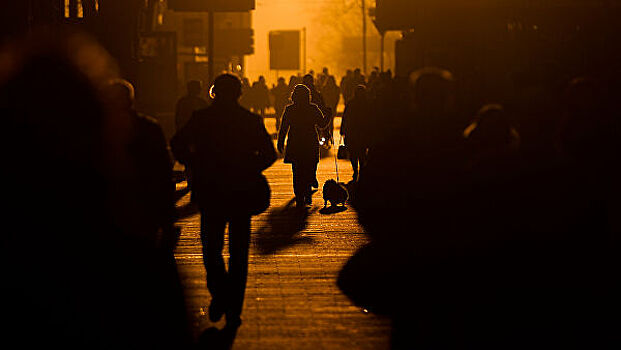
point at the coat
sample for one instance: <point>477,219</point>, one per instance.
<point>226,148</point>
<point>299,126</point>
<point>355,124</point>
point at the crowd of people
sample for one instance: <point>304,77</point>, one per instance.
<point>492,229</point>
<point>259,98</point>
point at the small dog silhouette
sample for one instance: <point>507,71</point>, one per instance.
<point>335,193</point>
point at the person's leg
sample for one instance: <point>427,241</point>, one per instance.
<point>312,180</point>
<point>298,183</point>
<point>353,158</point>
<point>212,239</point>
<point>239,242</point>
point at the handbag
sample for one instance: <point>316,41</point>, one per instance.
<point>259,196</point>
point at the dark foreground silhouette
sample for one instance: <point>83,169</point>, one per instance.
<point>226,148</point>
<point>486,240</point>
<point>282,228</point>
<point>75,274</point>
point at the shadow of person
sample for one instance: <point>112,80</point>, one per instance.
<point>365,282</point>
<point>187,210</point>
<point>182,192</point>
<point>333,209</point>
<point>282,227</point>
<point>219,339</point>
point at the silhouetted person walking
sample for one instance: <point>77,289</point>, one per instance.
<point>143,191</point>
<point>331,93</point>
<point>227,148</point>
<point>247,97</point>
<point>354,128</point>
<point>260,96</point>
<point>299,127</point>
<point>189,104</point>
<point>347,86</point>
<point>146,187</point>
<point>281,98</point>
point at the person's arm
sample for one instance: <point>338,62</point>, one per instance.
<point>284,130</point>
<point>321,120</point>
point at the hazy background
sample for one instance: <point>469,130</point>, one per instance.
<point>334,29</point>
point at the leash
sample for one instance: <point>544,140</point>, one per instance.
<point>336,162</point>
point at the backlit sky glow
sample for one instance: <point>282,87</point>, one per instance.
<point>329,23</point>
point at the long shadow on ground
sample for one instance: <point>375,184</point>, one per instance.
<point>282,228</point>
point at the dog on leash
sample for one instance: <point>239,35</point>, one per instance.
<point>335,193</point>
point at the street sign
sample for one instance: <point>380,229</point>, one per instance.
<point>211,5</point>
<point>284,50</point>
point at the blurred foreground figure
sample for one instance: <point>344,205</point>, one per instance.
<point>226,148</point>
<point>88,282</point>
<point>145,186</point>
<point>476,244</point>
<point>189,104</point>
<point>299,127</point>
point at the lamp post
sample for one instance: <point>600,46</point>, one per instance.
<point>364,37</point>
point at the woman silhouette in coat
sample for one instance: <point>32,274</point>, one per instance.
<point>299,126</point>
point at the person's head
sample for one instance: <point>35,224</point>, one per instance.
<point>51,99</point>
<point>281,81</point>
<point>357,72</point>
<point>301,95</point>
<point>308,80</point>
<point>349,73</point>
<point>226,88</point>
<point>325,71</point>
<point>433,90</point>
<point>119,94</point>
<point>194,87</point>
<point>261,79</point>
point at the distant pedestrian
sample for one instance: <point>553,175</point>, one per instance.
<point>347,87</point>
<point>354,128</point>
<point>246,98</point>
<point>322,78</point>
<point>189,104</point>
<point>281,99</point>
<point>260,96</point>
<point>299,127</point>
<point>227,148</point>
<point>331,94</point>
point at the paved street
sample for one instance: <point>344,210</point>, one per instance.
<point>292,300</point>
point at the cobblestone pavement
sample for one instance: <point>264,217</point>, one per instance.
<point>292,300</point>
